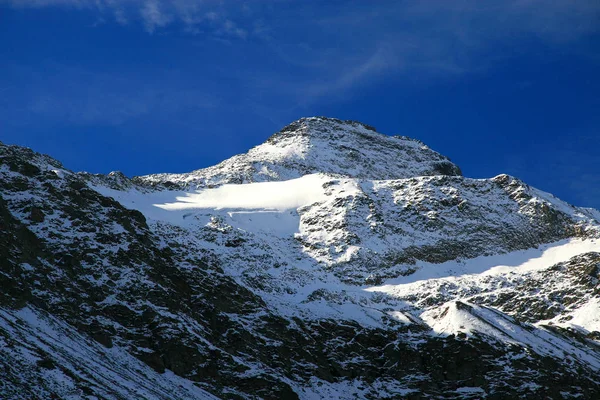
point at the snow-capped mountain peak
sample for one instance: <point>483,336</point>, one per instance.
<point>321,145</point>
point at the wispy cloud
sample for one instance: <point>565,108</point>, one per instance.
<point>436,34</point>
<point>194,16</point>
<point>347,77</point>
<point>153,16</point>
<point>330,49</point>
<point>345,48</point>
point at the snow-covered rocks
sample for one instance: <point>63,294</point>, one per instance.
<point>329,261</point>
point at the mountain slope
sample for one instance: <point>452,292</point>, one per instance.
<point>315,280</point>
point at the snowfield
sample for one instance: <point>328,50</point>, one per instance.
<point>281,196</point>
<point>254,207</point>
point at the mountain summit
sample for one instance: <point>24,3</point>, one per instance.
<point>329,262</point>
<point>321,145</point>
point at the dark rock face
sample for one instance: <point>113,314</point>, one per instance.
<point>113,305</point>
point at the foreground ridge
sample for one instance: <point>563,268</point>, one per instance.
<point>329,262</point>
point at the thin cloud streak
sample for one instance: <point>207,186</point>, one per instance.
<point>437,36</point>
<point>415,40</point>
<point>433,39</point>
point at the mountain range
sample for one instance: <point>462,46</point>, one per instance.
<point>329,262</point>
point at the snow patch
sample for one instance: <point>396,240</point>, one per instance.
<point>460,317</point>
<point>280,196</point>
<point>587,316</point>
<point>517,262</point>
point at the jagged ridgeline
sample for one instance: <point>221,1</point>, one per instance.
<point>331,261</point>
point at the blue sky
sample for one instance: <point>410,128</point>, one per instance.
<point>147,86</point>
